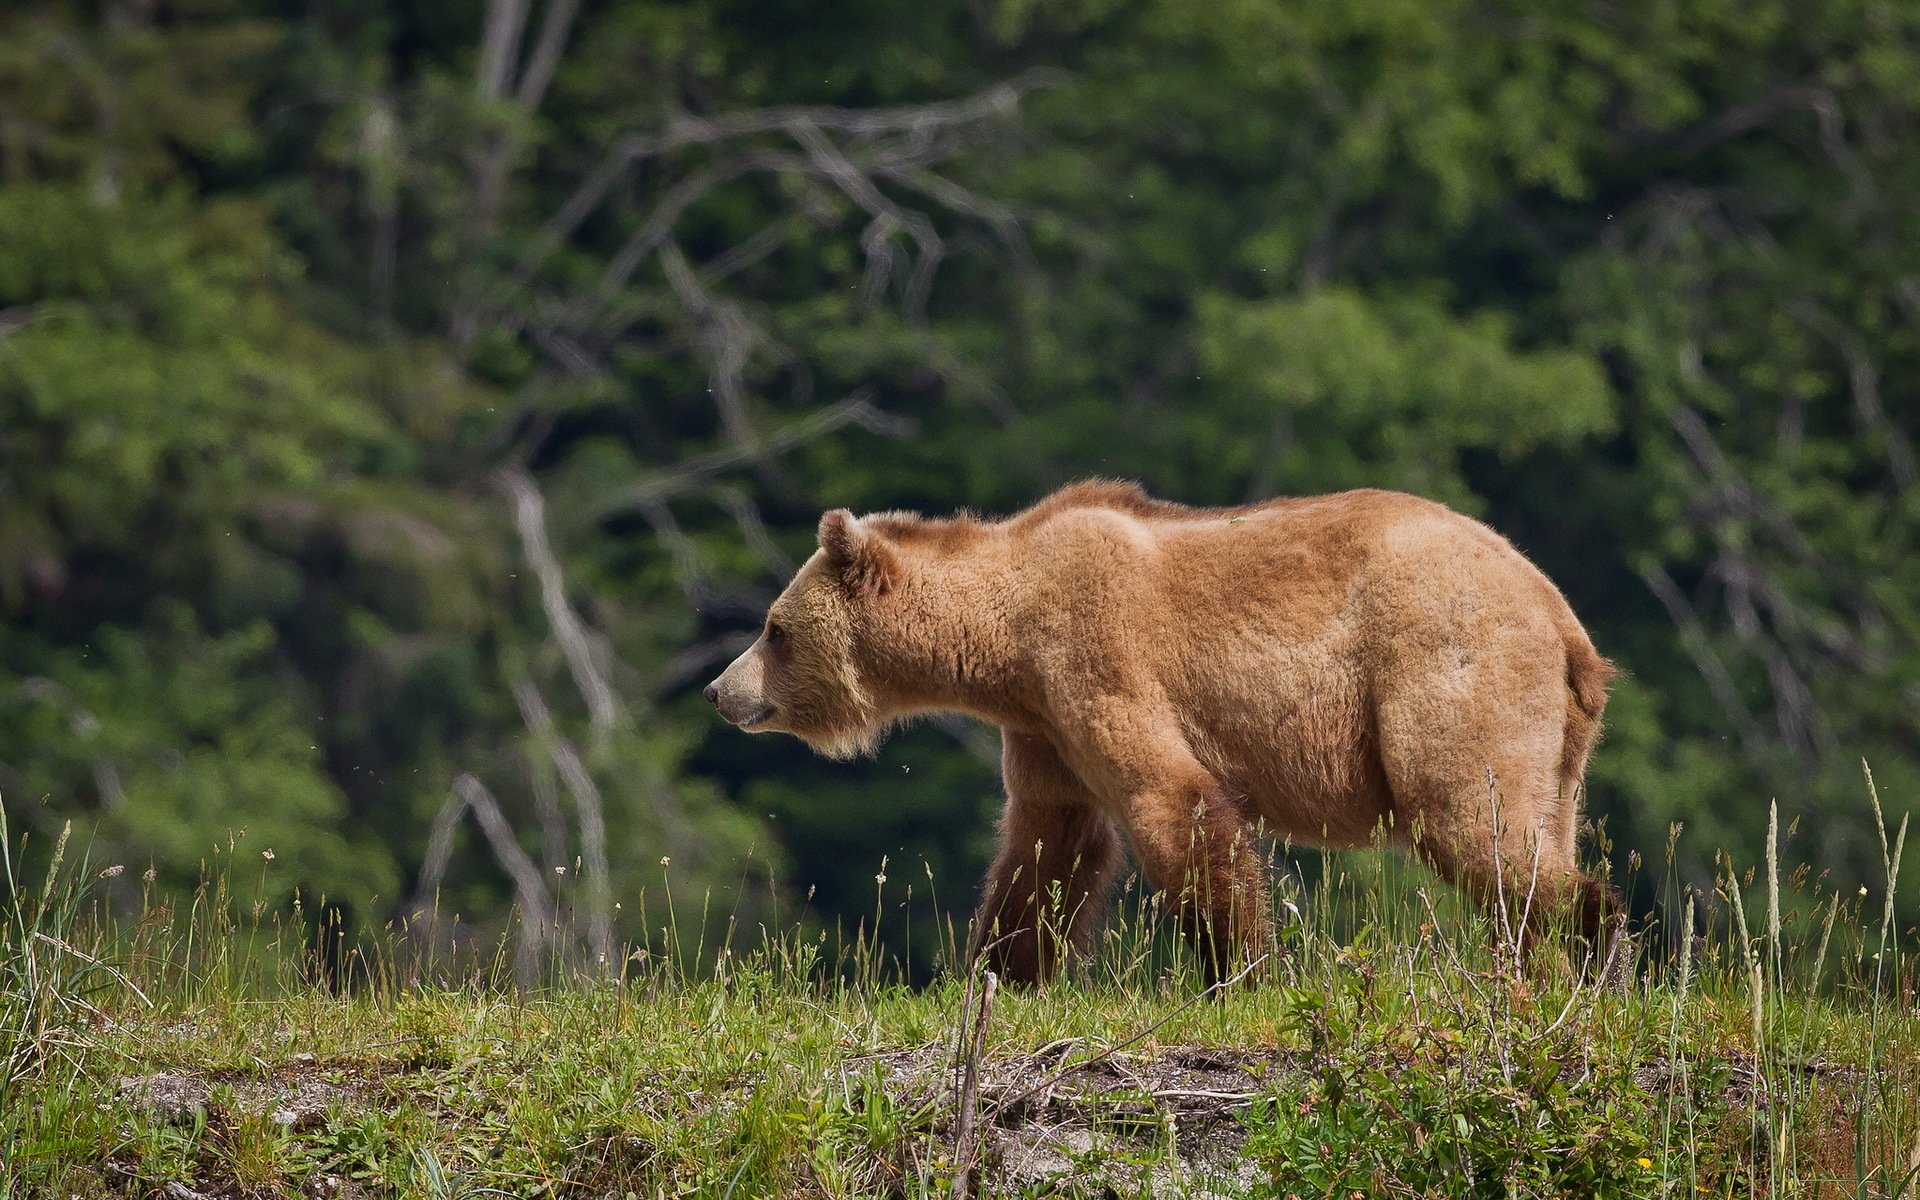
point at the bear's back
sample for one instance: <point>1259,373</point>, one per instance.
<point>1368,565</point>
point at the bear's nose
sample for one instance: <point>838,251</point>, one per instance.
<point>712,693</point>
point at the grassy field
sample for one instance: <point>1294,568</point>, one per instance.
<point>1390,1045</point>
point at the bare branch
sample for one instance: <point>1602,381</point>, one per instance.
<point>691,575</point>
<point>746,516</point>
<point>857,409</point>
<point>591,811</point>
<point>654,233</point>
<point>433,869</point>
<point>536,905</point>
<point>738,258</point>
<point>506,21</point>
<point>886,214</point>
<point>999,100</point>
<point>1699,645</point>
<point>1804,727</point>
<point>1747,116</point>
<point>568,217</point>
<point>583,654</point>
<point>554,840</point>
<point>563,349</point>
<point>1002,218</point>
<point>685,129</point>
<point>17,317</point>
<point>1863,376</point>
<point>491,155</point>
<point>694,661</point>
<point>727,340</point>
<point>1713,463</point>
<point>541,64</point>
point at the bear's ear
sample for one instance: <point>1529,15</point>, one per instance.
<point>860,556</point>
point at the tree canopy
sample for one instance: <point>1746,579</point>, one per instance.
<point>405,408</point>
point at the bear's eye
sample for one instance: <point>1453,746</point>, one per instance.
<point>776,633</point>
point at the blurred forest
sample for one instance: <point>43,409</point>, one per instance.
<point>406,406</point>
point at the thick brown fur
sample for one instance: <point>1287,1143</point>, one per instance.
<point>1318,668</point>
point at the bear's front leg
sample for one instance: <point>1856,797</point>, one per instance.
<point>1196,850</point>
<point>1045,894</point>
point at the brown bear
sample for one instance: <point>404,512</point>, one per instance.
<point>1321,668</point>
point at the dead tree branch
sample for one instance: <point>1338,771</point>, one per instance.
<point>501,78</point>
<point>506,20</point>
<point>857,409</point>
<point>585,655</point>
<point>590,810</point>
<point>697,661</point>
<point>746,518</point>
<point>688,572</point>
<point>554,839</point>
<point>530,889</point>
<point>1699,645</point>
<point>1863,378</point>
<point>684,130</point>
<point>726,339</point>
<point>886,217</point>
<point>433,869</point>
<point>537,74</point>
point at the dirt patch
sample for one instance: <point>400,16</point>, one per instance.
<point>1067,1119</point>
<point>297,1095</point>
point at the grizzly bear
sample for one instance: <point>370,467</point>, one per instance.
<point>1321,668</point>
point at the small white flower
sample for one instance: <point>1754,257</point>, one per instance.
<point>267,854</point>
<point>112,872</point>
<point>665,860</point>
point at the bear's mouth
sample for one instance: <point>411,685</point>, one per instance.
<point>759,718</point>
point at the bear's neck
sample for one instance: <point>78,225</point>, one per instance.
<point>949,644</point>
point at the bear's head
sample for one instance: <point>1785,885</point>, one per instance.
<point>803,674</point>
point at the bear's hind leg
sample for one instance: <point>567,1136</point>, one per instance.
<point>1471,741</point>
<point>1507,841</point>
<point>1058,854</point>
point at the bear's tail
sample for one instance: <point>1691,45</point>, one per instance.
<point>1588,675</point>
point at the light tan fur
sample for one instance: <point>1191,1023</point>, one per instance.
<point>1322,668</point>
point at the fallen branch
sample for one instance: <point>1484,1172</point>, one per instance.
<point>966,1142</point>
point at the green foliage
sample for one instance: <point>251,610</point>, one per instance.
<point>1453,1126</point>
<point>1390,394</point>
<point>282,293</point>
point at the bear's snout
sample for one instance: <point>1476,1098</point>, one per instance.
<point>740,695</point>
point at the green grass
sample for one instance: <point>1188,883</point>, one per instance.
<point>1391,1046</point>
